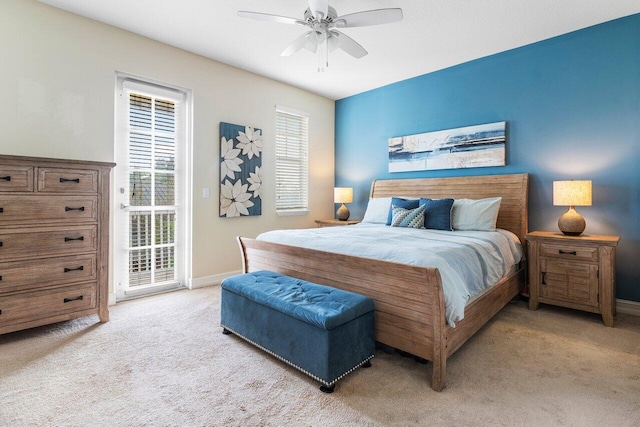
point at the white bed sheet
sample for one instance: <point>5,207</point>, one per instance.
<point>468,261</point>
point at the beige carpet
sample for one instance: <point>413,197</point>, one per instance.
<point>162,361</point>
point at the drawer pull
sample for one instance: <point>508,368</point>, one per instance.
<point>562,252</point>
<point>76,180</point>
<point>1,244</point>
<point>67,209</point>
<point>544,278</point>
<point>0,278</point>
<point>66,270</point>
<point>5,178</point>
<point>80,298</point>
<point>68,239</point>
<point>1,210</point>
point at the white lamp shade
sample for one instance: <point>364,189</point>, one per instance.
<point>572,193</point>
<point>343,195</point>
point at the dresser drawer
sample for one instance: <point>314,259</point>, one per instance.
<point>31,306</point>
<point>34,242</point>
<point>569,252</point>
<point>36,209</point>
<point>54,180</point>
<point>16,178</point>
<point>33,274</point>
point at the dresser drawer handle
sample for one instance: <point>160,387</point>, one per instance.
<point>68,239</point>
<point>80,298</point>
<point>5,178</point>
<point>567,252</point>
<point>76,180</point>
<point>66,270</point>
<point>544,278</point>
<point>1,244</point>
<point>0,278</point>
<point>67,209</point>
<point>1,210</point>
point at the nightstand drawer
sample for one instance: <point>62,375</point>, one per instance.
<point>569,252</point>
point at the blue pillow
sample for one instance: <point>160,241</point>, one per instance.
<point>401,203</point>
<point>437,213</point>
<point>409,218</point>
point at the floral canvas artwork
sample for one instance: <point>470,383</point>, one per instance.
<point>240,170</point>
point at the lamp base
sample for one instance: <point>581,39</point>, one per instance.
<point>343,213</point>
<point>571,223</point>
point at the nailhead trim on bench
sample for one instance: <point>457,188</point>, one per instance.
<point>298,367</point>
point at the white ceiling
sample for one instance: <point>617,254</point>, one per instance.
<point>433,35</point>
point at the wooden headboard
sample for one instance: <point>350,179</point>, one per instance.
<point>514,190</point>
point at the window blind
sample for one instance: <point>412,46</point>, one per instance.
<point>292,176</point>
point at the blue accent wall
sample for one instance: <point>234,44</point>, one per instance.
<point>572,106</point>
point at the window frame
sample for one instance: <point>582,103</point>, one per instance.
<point>300,119</point>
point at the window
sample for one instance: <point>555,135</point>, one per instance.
<point>292,176</point>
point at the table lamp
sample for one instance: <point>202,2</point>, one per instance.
<point>572,193</point>
<point>342,195</point>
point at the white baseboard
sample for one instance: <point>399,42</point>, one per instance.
<point>622,306</point>
<point>200,282</point>
<point>628,307</point>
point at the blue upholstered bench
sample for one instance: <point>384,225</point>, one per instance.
<point>322,331</point>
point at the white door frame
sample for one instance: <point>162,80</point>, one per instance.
<point>184,181</point>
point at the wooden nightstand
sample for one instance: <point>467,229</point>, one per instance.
<point>573,271</point>
<point>334,222</point>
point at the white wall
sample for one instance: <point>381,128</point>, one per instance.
<point>57,85</point>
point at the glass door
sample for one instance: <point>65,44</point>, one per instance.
<point>147,258</point>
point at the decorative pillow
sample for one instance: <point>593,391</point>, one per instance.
<point>409,218</point>
<point>472,214</point>
<point>401,203</point>
<point>377,210</point>
<point>437,213</point>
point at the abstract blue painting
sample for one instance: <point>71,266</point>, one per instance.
<point>240,170</point>
<point>466,147</point>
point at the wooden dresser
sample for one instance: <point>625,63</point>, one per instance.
<point>54,241</point>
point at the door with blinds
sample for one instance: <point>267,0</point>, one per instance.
<point>149,217</point>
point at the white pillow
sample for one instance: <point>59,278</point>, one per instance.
<point>472,214</point>
<point>377,210</point>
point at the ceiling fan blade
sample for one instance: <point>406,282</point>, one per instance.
<point>369,17</point>
<point>298,43</point>
<point>319,6</point>
<point>270,18</point>
<point>349,45</point>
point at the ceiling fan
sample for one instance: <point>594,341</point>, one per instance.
<point>323,22</point>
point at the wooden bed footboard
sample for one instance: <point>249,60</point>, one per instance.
<point>410,313</point>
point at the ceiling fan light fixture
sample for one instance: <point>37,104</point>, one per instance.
<point>322,19</point>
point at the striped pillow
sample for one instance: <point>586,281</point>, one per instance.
<point>409,218</point>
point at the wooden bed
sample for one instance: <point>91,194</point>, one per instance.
<point>410,313</point>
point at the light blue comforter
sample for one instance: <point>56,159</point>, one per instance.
<point>468,261</point>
